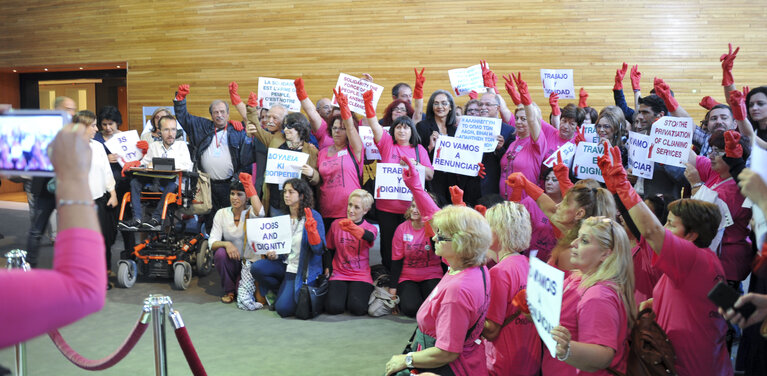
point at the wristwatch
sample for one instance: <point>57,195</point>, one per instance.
<point>409,360</point>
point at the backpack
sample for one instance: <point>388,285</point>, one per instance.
<point>650,350</point>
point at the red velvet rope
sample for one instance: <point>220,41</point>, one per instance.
<point>99,364</point>
<point>189,352</point>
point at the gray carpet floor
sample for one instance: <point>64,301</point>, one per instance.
<point>229,341</point>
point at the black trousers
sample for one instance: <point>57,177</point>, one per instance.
<point>219,192</point>
<point>412,294</point>
<point>348,295</point>
<point>43,206</point>
<point>388,223</point>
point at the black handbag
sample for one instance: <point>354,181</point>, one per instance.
<point>311,299</point>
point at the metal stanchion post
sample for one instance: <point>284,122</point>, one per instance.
<point>16,259</point>
<point>157,303</point>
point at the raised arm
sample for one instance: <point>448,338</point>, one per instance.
<point>728,82</point>
<point>555,111</point>
<point>306,104</point>
<point>370,116</point>
<point>664,92</point>
<point>418,95</point>
<point>353,134</point>
<point>636,77</point>
<point>737,102</point>
<point>250,191</point>
<point>234,96</point>
<point>620,99</point>
<point>533,119</point>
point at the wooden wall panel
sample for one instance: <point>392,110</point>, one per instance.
<point>207,44</point>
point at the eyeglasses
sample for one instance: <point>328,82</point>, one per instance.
<point>472,111</point>
<point>399,109</point>
<point>714,152</point>
<point>443,104</point>
<point>336,129</point>
<point>442,238</point>
<point>485,104</point>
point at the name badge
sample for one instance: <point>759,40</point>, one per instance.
<point>518,149</point>
<point>407,237</point>
<point>341,153</point>
<point>216,151</point>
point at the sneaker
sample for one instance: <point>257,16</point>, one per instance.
<point>151,225</point>
<point>133,224</point>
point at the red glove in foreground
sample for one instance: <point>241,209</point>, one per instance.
<point>128,165</point>
<point>370,110</point>
<point>481,173</point>
<point>737,102</point>
<point>311,227</point>
<point>247,182</point>
<point>562,172</point>
<point>233,96</point>
<point>349,226</point>
<point>300,91</point>
<point>512,91</point>
<point>727,60</point>
<point>520,301</point>
<point>343,103</point>
<point>732,146</point>
<point>615,177</point>
<point>708,103</point>
<point>419,80</point>
<point>519,183</point>
<point>237,125</point>
<point>423,201</point>
<point>582,97</point>
<point>619,74</point>
<point>636,76</point>
<point>664,92</point>
<point>554,103</point>
<point>182,92</point>
<point>473,94</point>
<point>456,195</point>
<point>143,146</point>
<point>253,100</point>
<point>580,135</point>
<point>481,209</point>
<point>524,93</point>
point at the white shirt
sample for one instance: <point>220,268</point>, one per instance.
<point>225,229</point>
<point>100,178</point>
<point>297,229</point>
<point>178,151</point>
<point>216,160</point>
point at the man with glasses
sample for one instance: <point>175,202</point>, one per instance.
<point>489,107</point>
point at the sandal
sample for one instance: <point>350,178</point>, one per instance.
<point>228,298</point>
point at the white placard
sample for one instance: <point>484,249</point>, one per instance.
<point>270,234</point>
<point>590,133</point>
<point>671,140</point>
<point>368,141</point>
<point>389,184</point>
<point>481,129</point>
<point>559,81</point>
<point>278,91</point>
<point>124,145</point>
<point>544,298</point>
<point>283,165</point>
<point>464,80</point>
<point>759,165</point>
<point>354,87</point>
<point>568,152</point>
<point>457,156</point>
<point>638,147</point>
<point>585,161</point>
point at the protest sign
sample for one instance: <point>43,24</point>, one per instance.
<point>283,165</point>
<point>479,129</point>
<point>464,80</point>
<point>458,156</point>
<point>124,145</point>
<point>671,140</point>
<point>759,165</point>
<point>544,298</point>
<point>585,161</point>
<point>590,133</point>
<point>559,81</point>
<point>638,147</point>
<point>277,91</point>
<point>371,150</point>
<point>270,234</point>
<point>389,184</point>
<point>353,87</point>
<point>568,152</point>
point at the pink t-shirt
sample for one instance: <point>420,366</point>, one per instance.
<point>323,138</point>
<point>602,321</point>
<point>646,276</point>
<point>568,318</point>
<point>736,254</point>
<point>455,305</point>
<point>352,261</point>
<point>339,179</point>
<point>517,349</point>
<point>692,323</point>
<point>390,153</point>
<point>414,248</point>
<point>553,140</point>
<point>542,238</point>
<point>525,156</point>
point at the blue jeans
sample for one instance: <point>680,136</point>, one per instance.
<point>168,186</point>
<point>271,275</point>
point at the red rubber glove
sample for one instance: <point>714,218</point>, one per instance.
<point>518,182</point>
<point>745,90</point>
<point>143,146</point>
<point>473,94</point>
<point>485,69</point>
<point>182,92</point>
<point>300,91</point>
<point>370,110</point>
<point>562,172</point>
<point>524,93</point>
<point>481,173</point>
<point>348,225</point>
<point>237,125</point>
<point>619,74</point>
<point>490,79</point>
<point>419,80</point>
<point>732,147</point>
<point>343,103</point>
<point>311,227</point>
<point>580,136</point>
<point>664,92</point>
<point>708,103</point>
<point>128,165</point>
<point>554,103</point>
<point>247,182</point>
<point>636,76</point>
<point>233,96</point>
<point>727,60</point>
<point>253,100</point>
<point>511,90</point>
<point>737,102</point>
<point>423,201</point>
<point>481,209</point>
<point>615,177</point>
<point>520,301</point>
<point>582,97</point>
<point>456,195</point>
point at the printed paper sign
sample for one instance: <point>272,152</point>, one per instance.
<point>464,80</point>
<point>371,150</point>
<point>671,140</point>
<point>278,91</point>
<point>389,184</point>
<point>568,152</point>
<point>544,298</point>
<point>479,129</point>
<point>559,81</point>
<point>759,165</point>
<point>353,87</point>
<point>283,165</point>
<point>590,133</point>
<point>124,145</point>
<point>638,147</point>
<point>458,156</point>
<point>270,234</point>
<point>585,161</point>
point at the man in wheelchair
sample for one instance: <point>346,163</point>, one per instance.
<point>167,148</point>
